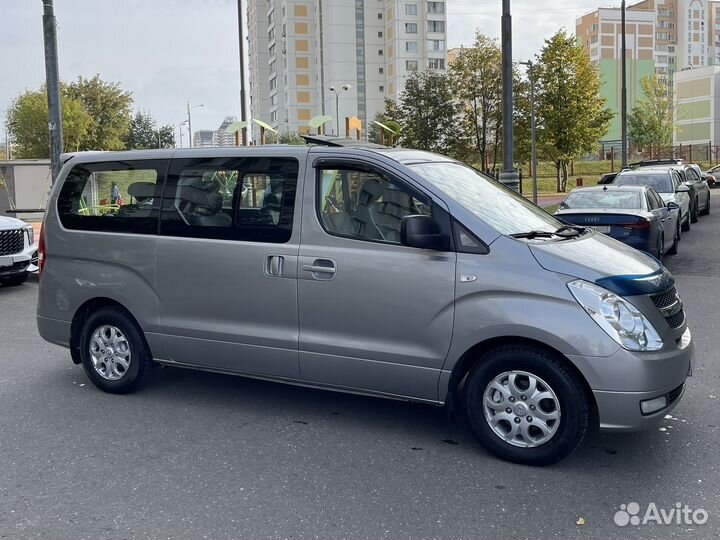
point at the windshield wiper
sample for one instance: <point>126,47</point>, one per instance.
<point>566,231</point>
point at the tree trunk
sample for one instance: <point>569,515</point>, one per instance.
<point>564,175</point>
<point>557,175</point>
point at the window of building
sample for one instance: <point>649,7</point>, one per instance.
<point>436,63</point>
<point>594,39</point>
<point>381,88</point>
<point>411,46</point>
<point>435,44</point>
<point>380,52</point>
<point>411,28</point>
<point>436,7</point>
<point>113,196</point>
<point>231,199</point>
<point>379,15</point>
<point>411,65</point>
<point>365,205</point>
<point>411,9</point>
<point>381,70</point>
<point>436,26</point>
<point>380,34</point>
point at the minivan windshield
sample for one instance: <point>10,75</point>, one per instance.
<point>501,208</point>
<point>660,181</point>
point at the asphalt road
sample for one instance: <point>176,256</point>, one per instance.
<point>195,455</point>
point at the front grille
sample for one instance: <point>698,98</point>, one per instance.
<point>671,307</point>
<point>12,242</point>
<point>665,299</point>
<point>675,394</point>
<point>677,320</point>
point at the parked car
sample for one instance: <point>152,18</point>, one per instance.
<point>692,176</point>
<point>18,252</point>
<point>634,215</point>
<point>712,176</point>
<point>607,178</point>
<point>667,182</point>
<point>381,271</point>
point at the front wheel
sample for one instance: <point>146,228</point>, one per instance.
<point>706,211</point>
<point>113,351</point>
<point>694,211</point>
<point>525,405</point>
<point>676,241</point>
<point>686,224</point>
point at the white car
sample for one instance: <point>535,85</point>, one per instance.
<point>18,252</point>
<point>666,182</point>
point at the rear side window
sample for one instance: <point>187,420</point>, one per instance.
<point>118,196</point>
<point>250,199</point>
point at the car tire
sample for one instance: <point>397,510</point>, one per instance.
<point>113,350</point>
<point>706,211</point>
<point>686,224</point>
<point>676,242</point>
<point>661,248</point>
<point>694,212</point>
<point>487,397</point>
<point>14,281</point>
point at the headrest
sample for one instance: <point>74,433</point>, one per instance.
<point>141,190</point>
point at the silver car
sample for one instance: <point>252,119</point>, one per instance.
<point>386,272</point>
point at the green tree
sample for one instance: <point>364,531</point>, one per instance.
<point>110,108</point>
<point>572,116</point>
<point>429,114</point>
<point>476,75</point>
<point>290,137</point>
<point>144,133</point>
<point>650,124</point>
<point>28,124</point>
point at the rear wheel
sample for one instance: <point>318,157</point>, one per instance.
<point>706,211</point>
<point>694,212</point>
<point>113,350</point>
<point>14,281</point>
<point>525,405</point>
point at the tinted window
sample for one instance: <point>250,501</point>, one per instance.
<point>364,205</point>
<point>500,207</point>
<point>120,196</point>
<point>250,199</point>
<point>658,199</point>
<point>660,182</point>
<point>602,199</point>
<point>651,201</point>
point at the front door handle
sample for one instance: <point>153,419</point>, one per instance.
<point>321,269</point>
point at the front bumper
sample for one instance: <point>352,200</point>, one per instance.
<point>622,381</point>
<point>17,263</point>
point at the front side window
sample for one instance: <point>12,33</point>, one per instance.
<point>119,196</point>
<point>250,199</point>
<point>365,205</point>
<point>501,208</point>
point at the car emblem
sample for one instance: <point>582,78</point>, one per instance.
<point>592,220</point>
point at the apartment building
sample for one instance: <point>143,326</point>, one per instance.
<point>697,111</point>
<point>215,137</point>
<point>663,37</point>
<point>339,58</point>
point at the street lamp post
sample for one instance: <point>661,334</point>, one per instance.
<point>189,120</point>
<point>345,87</point>
<point>623,88</point>
<point>509,175</point>
<point>533,152</point>
<point>52,82</point>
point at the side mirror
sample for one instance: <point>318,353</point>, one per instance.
<point>682,188</point>
<point>672,205</point>
<point>424,233</point>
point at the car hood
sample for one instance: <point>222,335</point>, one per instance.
<point>10,223</point>
<point>598,258</point>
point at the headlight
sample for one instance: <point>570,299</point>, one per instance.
<point>616,316</point>
<point>31,235</point>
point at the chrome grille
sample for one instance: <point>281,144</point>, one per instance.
<point>12,242</point>
<point>671,307</point>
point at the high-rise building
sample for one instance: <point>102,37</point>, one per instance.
<point>216,137</point>
<point>663,37</point>
<point>339,58</point>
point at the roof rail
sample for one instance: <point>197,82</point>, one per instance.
<point>325,140</point>
<point>668,161</point>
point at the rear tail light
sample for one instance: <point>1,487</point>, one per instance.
<point>639,225</point>
<point>41,250</point>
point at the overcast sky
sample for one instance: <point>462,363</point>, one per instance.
<point>169,51</point>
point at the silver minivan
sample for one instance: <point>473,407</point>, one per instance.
<point>382,271</point>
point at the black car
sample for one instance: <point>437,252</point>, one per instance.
<point>634,215</point>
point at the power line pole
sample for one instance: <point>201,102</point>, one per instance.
<point>508,176</point>
<point>52,77</point>
<point>533,158</point>
<point>243,116</point>
<point>623,90</point>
